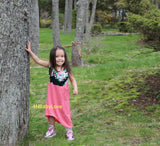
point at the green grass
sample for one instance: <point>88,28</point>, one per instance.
<point>115,67</point>
<point>46,37</point>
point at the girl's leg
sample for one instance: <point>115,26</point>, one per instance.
<point>52,121</point>
<point>51,129</point>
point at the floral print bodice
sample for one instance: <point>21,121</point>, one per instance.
<point>59,78</point>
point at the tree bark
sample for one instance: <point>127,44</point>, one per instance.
<point>14,70</point>
<point>80,21</point>
<point>68,17</point>
<point>76,53</point>
<point>81,5</point>
<point>89,24</point>
<point>87,19</point>
<point>75,4</point>
<point>69,24</point>
<point>65,16</point>
<point>35,27</point>
<point>55,22</point>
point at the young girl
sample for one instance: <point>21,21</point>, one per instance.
<point>57,103</point>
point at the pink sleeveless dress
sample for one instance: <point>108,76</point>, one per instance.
<point>57,103</point>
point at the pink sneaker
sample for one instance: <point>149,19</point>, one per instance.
<point>51,131</point>
<point>69,135</point>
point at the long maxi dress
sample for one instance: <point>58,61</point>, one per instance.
<point>57,103</point>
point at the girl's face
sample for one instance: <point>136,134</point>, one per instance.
<point>60,58</point>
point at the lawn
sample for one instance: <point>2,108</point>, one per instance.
<point>114,72</point>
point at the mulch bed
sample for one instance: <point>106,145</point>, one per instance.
<point>151,96</point>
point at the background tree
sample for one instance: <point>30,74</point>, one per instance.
<point>80,21</point>
<point>14,70</point>
<point>75,4</point>
<point>65,16</point>
<point>35,27</point>
<point>55,22</point>
<point>89,23</point>
<point>67,26</point>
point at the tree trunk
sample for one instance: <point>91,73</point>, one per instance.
<point>89,24</point>
<point>80,24</point>
<point>14,70</point>
<point>75,4</point>
<point>80,21</point>
<point>68,16</point>
<point>55,22</point>
<point>87,17</point>
<point>35,27</point>
<point>76,53</point>
<point>69,24</point>
<point>65,16</point>
<point>87,10</point>
<point>87,35</point>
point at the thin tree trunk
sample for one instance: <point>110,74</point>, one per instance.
<point>89,25</point>
<point>87,22</point>
<point>87,14</point>
<point>69,24</point>
<point>55,22</point>
<point>80,21</point>
<point>80,25</point>
<point>75,4</point>
<point>14,70</point>
<point>65,16</point>
<point>35,27</point>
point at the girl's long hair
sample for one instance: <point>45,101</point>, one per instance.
<point>52,59</point>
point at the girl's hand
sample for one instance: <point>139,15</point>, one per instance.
<point>75,92</point>
<point>28,49</point>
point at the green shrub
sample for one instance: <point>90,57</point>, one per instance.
<point>148,25</point>
<point>126,27</point>
<point>102,17</point>
<point>45,23</point>
<point>135,6</point>
<point>143,18</point>
<point>96,29</point>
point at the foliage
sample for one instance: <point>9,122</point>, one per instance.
<point>74,15</point>
<point>125,26</point>
<point>148,24</point>
<point>45,6</point>
<point>45,23</point>
<point>135,6</point>
<point>143,17</point>
<point>102,17</point>
<point>96,29</point>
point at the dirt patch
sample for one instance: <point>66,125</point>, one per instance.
<point>151,44</point>
<point>149,93</point>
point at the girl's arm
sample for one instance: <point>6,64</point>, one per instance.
<point>35,58</point>
<point>74,83</point>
